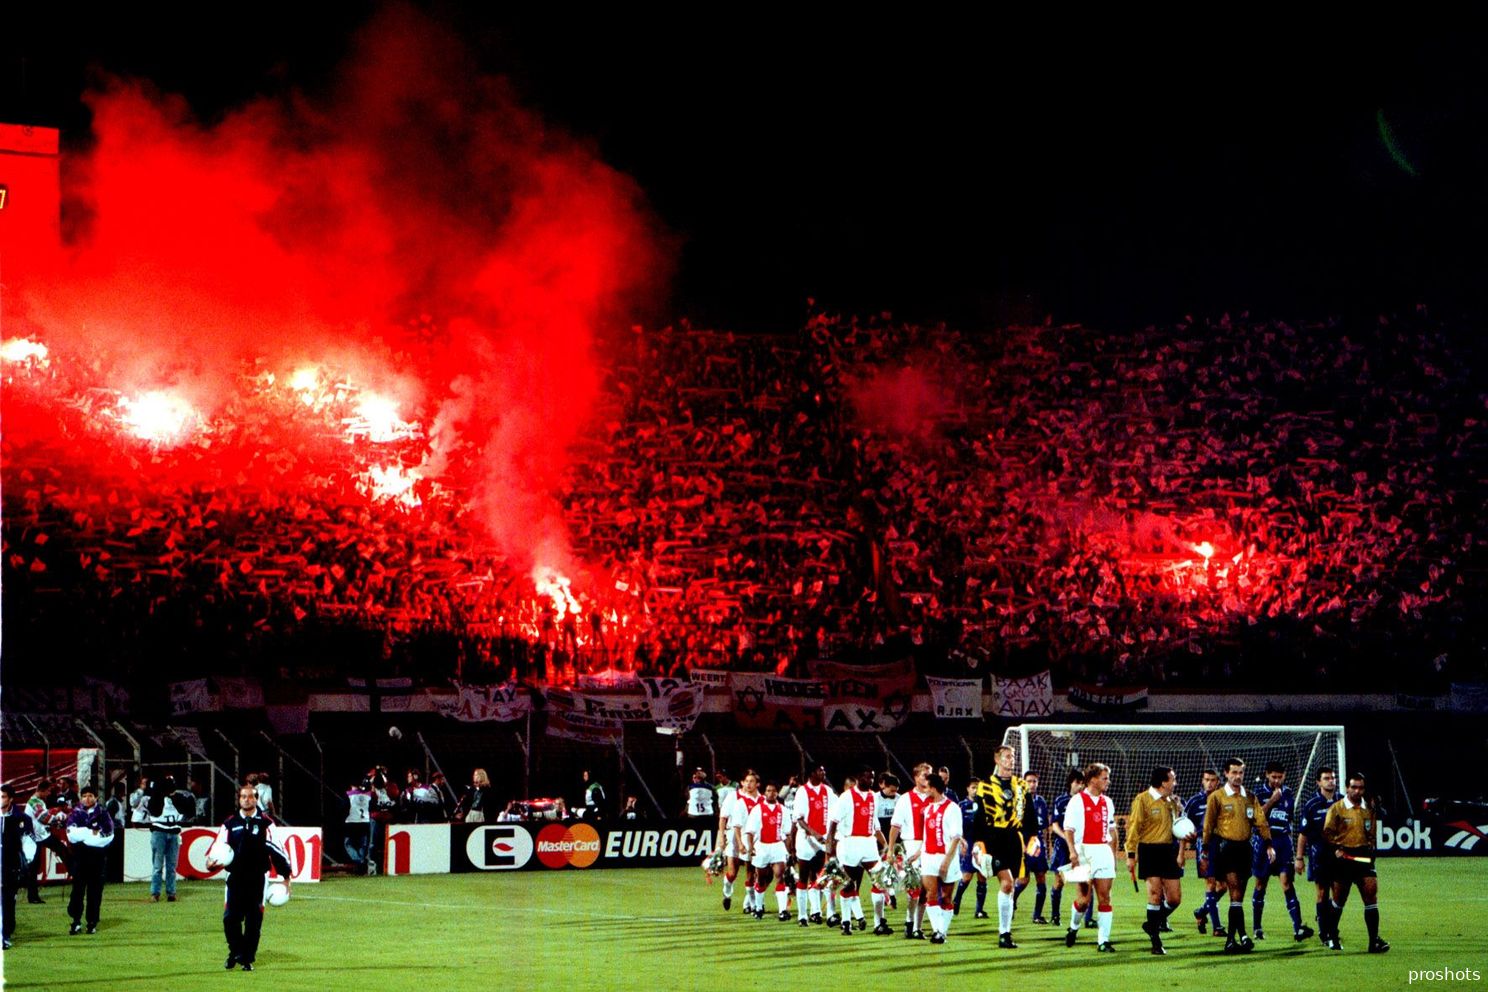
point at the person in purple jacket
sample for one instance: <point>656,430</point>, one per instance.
<point>90,831</point>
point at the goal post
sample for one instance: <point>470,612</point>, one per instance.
<point>1133,750</point>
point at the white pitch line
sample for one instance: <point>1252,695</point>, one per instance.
<point>482,906</point>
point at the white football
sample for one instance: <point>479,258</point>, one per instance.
<point>278,894</point>
<point>219,855</point>
<point>1183,828</point>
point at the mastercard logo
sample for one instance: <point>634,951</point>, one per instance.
<point>558,845</point>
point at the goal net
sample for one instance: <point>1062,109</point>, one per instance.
<point>1133,750</point>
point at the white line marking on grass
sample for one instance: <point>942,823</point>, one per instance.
<point>484,906</point>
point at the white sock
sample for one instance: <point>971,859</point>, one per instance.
<point>728,888</point>
<point>878,908</point>
<point>947,916</point>
<point>801,903</point>
<point>1077,914</point>
<point>813,898</point>
<point>911,908</point>
<point>782,898</point>
<point>1103,925</point>
<point>935,913</point>
<point>920,909</point>
<point>1004,912</point>
<point>855,906</point>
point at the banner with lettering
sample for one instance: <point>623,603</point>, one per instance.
<point>861,705</point>
<point>576,726</point>
<point>761,705</point>
<point>1108,697</point>
<point>711,679</point>
<point>194,696</point>
<point>955,699</point>
<point>1032,695</point>
<point>674,704</point>
<point>500,703</point>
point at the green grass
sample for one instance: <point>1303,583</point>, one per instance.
<point>664,929</point>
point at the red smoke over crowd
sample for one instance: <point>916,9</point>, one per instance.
<point>414,236</point>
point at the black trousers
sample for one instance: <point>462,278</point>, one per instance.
<point>87,868</point>
<point>242,920</point>
<point>8,892</point>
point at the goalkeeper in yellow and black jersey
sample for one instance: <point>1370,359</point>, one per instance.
<point>998,828</point>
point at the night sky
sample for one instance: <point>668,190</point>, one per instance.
<point>977,173</point>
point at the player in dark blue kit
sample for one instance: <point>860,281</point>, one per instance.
<point>1310,838</point>
<point>969,807</point>
<point>1207,915</point>
<point>1035,855</point>
<point>1279,803</point>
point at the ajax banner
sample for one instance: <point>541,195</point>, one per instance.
<point>572,845</point>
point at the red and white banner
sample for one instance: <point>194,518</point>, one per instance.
<point>501,703</point>
<point>303,845</point>
<point>418,849</point>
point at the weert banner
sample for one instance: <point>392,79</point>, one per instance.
<point>303,845</point>
<point>576,844</point>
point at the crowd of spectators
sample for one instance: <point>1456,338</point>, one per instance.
<point>1236,499</point>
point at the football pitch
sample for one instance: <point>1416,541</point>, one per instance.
<point>664,929</point>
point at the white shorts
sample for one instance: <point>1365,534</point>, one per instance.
<point>1100,859</point>
<point>769,854</point>
<point>930,868</point>
<point>728,846</point>
<point>807,846</point>
<point>855,851</point>
<point>912,849</point>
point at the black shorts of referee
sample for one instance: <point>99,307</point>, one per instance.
<point>1005,846</point>
<point>1158,861</point>
<point>1346,871</point>
<point>1230,857</point>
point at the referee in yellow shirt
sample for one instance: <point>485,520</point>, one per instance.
<point>1152,852</point>
<point>1348,844</point>
<point>1232,813</point>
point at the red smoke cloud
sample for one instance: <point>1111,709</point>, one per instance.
<point>417,228</point>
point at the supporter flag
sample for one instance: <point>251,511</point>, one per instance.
<point>1030,696</point>
<point>674,704</point>
<point>501,703</point>
<point>194,696</point>
<point>579,727</point>
<point>386,695</point>
<point>1108,697</point>
<point>871,706</point>
<point>955,699</point>
<point>607,706</point>
<point>239,693</point>
<point>709,678</point>
<point>758,705</point>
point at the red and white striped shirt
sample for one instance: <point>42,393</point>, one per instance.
<point>942,822</point>
<point>767,822</point>
<point>855,811</point>
<point>812,802</point>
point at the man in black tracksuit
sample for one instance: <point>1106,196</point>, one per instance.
<point>248,833</point>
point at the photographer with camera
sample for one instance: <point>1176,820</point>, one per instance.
<point>170,807</point>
